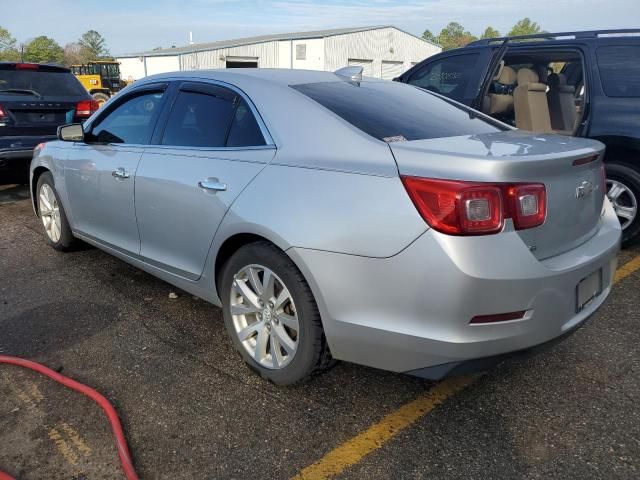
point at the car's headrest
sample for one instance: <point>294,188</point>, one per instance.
<point>526,76</point>
<point>507,76</point>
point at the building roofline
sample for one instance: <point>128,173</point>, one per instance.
<point>239,42</point>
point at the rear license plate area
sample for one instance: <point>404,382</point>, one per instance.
<point>588,288</point>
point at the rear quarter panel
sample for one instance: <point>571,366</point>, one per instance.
<point>335,211</point>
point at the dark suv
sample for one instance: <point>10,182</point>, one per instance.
<point>578,83</point>
<point>34,101</point>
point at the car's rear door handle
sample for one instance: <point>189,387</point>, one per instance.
<point>120,173</point>
<point>213,184</point>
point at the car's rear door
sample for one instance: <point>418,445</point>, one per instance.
<point>212,145</point>
<point>100,172</point>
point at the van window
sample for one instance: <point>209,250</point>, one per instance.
<point>619,68</point>
<point>448,76</point>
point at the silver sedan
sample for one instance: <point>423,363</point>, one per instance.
<point>336,217</point>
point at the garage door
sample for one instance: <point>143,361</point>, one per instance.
<point>241,62</point>
<point>367,66</point>
<point>391,70</point>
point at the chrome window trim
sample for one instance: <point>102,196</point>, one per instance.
<point>209,149</point>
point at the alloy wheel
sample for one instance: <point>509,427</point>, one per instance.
<point>264,316</point>
<point>624,202</point>
<point>50,213</point>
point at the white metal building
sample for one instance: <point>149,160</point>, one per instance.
<point>383,52</point>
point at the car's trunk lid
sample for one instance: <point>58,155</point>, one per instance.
<point>574,189</point>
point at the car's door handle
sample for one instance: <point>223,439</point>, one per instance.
<point>213,184</point>
<point>120,173</point>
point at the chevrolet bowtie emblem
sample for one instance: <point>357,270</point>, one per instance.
<point>584,189</point>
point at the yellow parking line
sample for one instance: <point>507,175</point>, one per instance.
<point>355,449</point>
<point>627,269</point>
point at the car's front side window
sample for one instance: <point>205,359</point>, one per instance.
<point>448,76</point>
<point>130,122</point>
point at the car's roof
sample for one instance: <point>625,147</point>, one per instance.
<point>279,76</point>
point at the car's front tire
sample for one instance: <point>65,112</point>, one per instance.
<point>623,190</point>
<point>271,315</point>
<point>54,220</point>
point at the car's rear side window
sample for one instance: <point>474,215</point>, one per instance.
<point>207,120</point>
<point>392,111</point>
<point>619,67</point>
<point>43,84</point>
<point>198,120</point>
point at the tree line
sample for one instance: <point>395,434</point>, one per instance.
<point>455,35</point>
<point>89,47</point>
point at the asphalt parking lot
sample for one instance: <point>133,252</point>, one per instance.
<point>191,409</point>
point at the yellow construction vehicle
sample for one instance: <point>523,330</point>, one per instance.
<point>100,78</point>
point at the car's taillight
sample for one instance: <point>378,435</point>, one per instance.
<point>528,204</point>
<point>3,114</point>
<point>471,208</point>
<point>85,108</point>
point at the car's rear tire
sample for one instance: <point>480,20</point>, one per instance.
<point>101,98</point>
<point>623,190</point>
<point>271,315</point>
<point>54,220</point>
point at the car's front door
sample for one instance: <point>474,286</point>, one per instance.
<point>100,172</point>
<point>212,145</point>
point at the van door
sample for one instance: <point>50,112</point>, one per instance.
<point>457,75</point>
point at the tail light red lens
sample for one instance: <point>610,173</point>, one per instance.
<point>86,108</point>
<point>528,205</point>
<point>471,208</point>
<point>3,114</point>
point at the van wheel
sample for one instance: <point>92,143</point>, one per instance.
<point>271,315</point>
<point>623,190</point>
<point>51,213</point>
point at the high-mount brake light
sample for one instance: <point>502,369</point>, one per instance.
<point>458,207</point>
<point>585,160</point>
<point>27,66</point>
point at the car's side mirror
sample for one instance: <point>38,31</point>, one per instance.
<point>71,133</point>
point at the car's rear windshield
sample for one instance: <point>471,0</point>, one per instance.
<point>40,84</point>
<point>392,111</point>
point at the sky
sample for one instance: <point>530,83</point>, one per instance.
<point>139,25</point>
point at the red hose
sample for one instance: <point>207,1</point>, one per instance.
<point>121,443</point>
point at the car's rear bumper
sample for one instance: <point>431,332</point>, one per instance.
<point>412,311</point>
<point>15,157</point>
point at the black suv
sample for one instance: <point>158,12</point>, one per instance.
<point>577,83</point>
<point>34,101</point>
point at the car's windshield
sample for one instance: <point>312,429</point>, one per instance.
<point>40,84</point>
<point>391,111</point>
